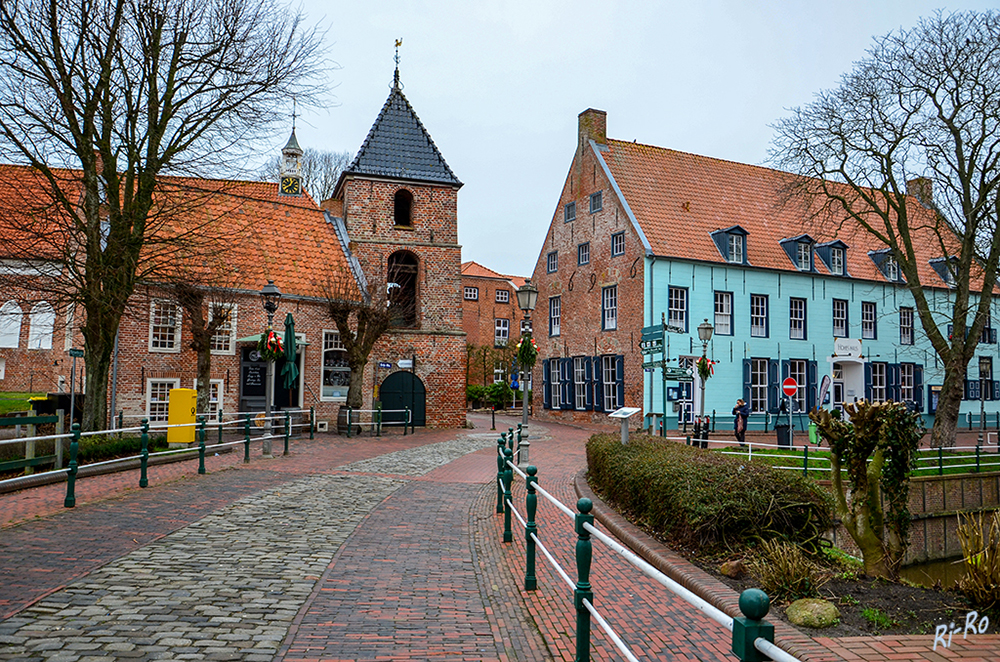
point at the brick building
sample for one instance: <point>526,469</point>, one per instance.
<point>393,222</point>
<point>492,321</point>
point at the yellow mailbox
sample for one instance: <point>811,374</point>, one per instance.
<point>181,409</point>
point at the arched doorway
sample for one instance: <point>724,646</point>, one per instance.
<point>401,390</point>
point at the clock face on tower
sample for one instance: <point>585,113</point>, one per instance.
<point>291,186</point>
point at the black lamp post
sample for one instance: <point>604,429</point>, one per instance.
<point>704,335</point>
<point>270,295</point>
<point>527,295</point>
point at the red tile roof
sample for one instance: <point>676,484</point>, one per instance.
<point>476,270</point>
<point>679,199</point>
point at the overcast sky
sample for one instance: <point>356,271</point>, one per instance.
<point>499,85</point>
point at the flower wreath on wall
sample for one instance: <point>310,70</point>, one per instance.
<point>269,346</point>
<point>706,368</point>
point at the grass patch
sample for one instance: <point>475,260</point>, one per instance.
<point>784,572</point>
<point>16,401</point>
<point>878,618</point>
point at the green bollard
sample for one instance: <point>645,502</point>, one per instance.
<point>510,439</point>
<point>246,440</point>
<point>312,423</point>
<point>584,554</point>
<point>378,420</point>
<point>754,604</point>
<point>348,422</point>
<point>406,420</point>
<point>530,581</point>
<point>74,448</point>
<point>220,425</point>
<point>121,419</point>
<point>805,461</point>
<point>144,458</point>
<point>288,431</point>
<point>500,467</point>
<point>687,440</point>
<point>201,444</point>
<point>508,478</point>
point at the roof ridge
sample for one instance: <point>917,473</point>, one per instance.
<point>701,156</point>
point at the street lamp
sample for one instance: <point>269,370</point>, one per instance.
<point>704,335</point>
<point>527,295</point>
<point>270,295</point>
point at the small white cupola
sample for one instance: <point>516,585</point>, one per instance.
<point>291,167</point>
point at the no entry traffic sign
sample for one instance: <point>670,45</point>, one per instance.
<point>789,387</point>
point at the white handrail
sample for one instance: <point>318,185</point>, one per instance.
<point>611,633</point>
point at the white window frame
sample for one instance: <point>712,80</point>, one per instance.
<point>502,296</point>
<point>891,268</point>
<point>70,331</point>
<point>41,326</point>
<point>724,313</point>
<point>906,382</point>
<point>609,308</point>
<point>677,307</point>
<point>11,317</point>
<point>155,420</point>
<point>906,326</point>
<point>837,261</point>
<point>223,343</point>
<point>215,387</point>
<point>797,318</point>
<point>555,315</point>
<point>583,253</point>
<point>580,382</point>
<point>617,244</point>
<point>758,316</point>
<point>596,202</point>
<point>501,331</point>
<point>736,248</point>
<point>175,347</point>
<point>797,370</point>
<point>868,328</point>
<point>499,372</point>
<point>472,294</point>
<point>331,343</point>
<point>804,255</point>
<point>758,385</point>
<point>552,262</point>
<point>555,385</point>
<point>840,322</point>
<point>879,381</point>
<point>609,370</point>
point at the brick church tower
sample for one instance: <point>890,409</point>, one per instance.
<point>399,201</point>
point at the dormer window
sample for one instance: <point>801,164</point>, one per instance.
<point>837,261</point>
<point>945,268</point>
<point>886,264</point>
<point>800,251</point>
<point>732,245</point>
<point>735,248</point>
<point>804,256</point>
<point>891,268</point>
<point>833,255</point>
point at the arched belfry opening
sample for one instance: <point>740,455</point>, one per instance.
<point>403,208</point>
<point>401,279</point>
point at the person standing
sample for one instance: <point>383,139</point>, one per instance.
<point>742,413</point>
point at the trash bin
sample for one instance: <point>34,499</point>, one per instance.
<point>784,436</point>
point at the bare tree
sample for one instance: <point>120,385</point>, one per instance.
<point>923,103</point>
<point>122,92</point>
<point>320,171</point>
<point>209,311</point>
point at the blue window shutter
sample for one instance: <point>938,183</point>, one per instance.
<point>892,382</point>
<point>918,386</point>
<point>811,373</point>
<point>589,383</point>
<point>773,385</point>
<point>598,385</point>
<point>868,382</point>
<point>993,336</point>
<point>996,390</point>
<point>565,383</point>
<point>546,391</point>
<point>784,370</point>
<point>746,380</point>
<point>620,372</point>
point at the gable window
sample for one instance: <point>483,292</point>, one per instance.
<point>501,332</point>
<point>868,328</point>
<point>583,254</point>
<point>402,288</point>
<point>223,342</point>
<point>10,325</point>
<point>797,319</point>
<point>618,244</point>
<point>164,327</point>
<point>758,315</point>
<point>569,212</point>
<point>724,313</point>
<point>804,256</point>
<point>886,264</point>
<point>840,322</point>
<point>837,261</point>
<point>736,248</point>
<point>677,305</point>
<point>596,202</point>
<point>906,326</point>
<point>555,314</point>
<point>503,296</point>
<point>336,373</point>
<point>552,262</point>
<point>609,308</point>
<point>402,212</point>
<point>472,294</point>
<point>40,326</point>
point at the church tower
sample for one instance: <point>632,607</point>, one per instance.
<point>399,203</point>
<point>291,167</point>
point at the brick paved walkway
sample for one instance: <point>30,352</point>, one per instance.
<point>357,549</point>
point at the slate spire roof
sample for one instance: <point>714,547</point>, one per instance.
<point>399,146</point>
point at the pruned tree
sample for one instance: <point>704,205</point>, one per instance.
<point>923,107</point>
<point>209,311</point>
<point>121,93</point>
<point>321,170</point>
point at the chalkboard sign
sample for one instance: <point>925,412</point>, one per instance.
<point>253,373</point>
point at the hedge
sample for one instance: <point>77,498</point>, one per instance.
<point>693,497</point>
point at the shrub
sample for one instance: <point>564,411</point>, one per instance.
<point>499,394</point>
<point>784,572</point>
<point>474,392</point>
<point>695,497</point>
<point>97,448</point>
<point>981,549</point>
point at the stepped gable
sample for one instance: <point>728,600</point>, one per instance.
<point>398,146</point>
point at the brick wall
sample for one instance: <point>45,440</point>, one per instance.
<point>479,322</point>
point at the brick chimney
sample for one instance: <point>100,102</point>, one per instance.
<point>593,126</point>
<point>922,189</point>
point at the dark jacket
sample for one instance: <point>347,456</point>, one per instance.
<point>741,411</point>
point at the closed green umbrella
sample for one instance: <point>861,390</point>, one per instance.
<point>291,370</point>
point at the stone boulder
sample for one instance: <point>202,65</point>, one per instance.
<point>732,569</point>
<point>812,613</point>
